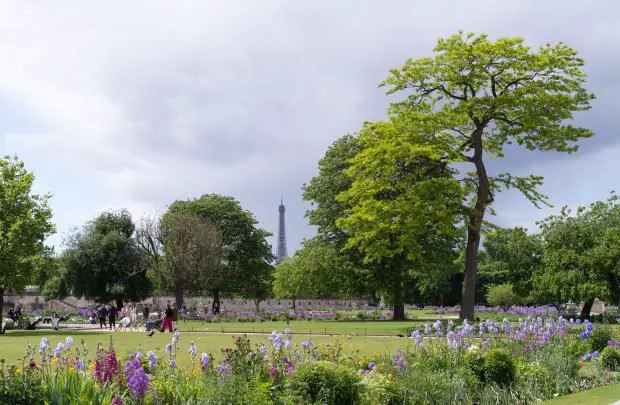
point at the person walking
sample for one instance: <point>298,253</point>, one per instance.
<point>112,316</point>
<point>168,314</point>
<point>175,316</point>
<point>102,315</point>
<point>184,314</point>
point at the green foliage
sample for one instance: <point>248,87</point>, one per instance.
<point>104,263</point>
<point>20,387</point>
<point>511,256</point>
<point>581,254</point>
<point>246,253</point>
<point>499,367</point>
<point>610,359</point>
<point>598,338</point>
<point>288,281</point>
<point>25,222</point>
<point>328,383</point>
<point>403,204</point>
<point>502,295</point>
<point>474,362</point>
<point>473,97</point>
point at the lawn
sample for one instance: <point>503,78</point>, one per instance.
<point>380,327</point>
<point>597,396</point>
<point>13,343</point>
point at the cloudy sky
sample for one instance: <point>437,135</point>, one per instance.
<point>135,104</point>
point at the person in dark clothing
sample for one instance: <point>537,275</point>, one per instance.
<point>112,313</point>
<point>167,319</point>
<point>102,315</point>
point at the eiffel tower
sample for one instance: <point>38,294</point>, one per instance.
<point>281,252</point>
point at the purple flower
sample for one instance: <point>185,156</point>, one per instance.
<point>192,350</point>
<point>371,365</point>
<point>401,364</point>
<point>204,360</point>
<point>80,364</point>
<point>168,348</point>
<point>152,360</point>
<point>137,380</point>
<point>43,345</point>
<point>172,364</point>
<point>69,341</point>
<point>288,344</point>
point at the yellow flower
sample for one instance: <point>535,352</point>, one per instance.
<point>54,361</point>
<point>390,376</point>
<point>18,370</point>
<point>96,386</point>
<point>92,366</point>
<point>71,370</point>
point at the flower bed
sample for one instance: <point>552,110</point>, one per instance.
<point>511,363</point>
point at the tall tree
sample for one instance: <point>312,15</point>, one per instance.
<point>512,256</point>
<point>581,256</point>
<point>289,281</point>
<point>473,97</point>
<point>104,263</point>
<point>192,253</point>
<point>404,206</point>
<point>25,222</point>
<point>326,209</point>
<point>244,245</point>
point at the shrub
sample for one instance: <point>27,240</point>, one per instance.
<point>474,362</point>
<point>327,382</point>
<point>610,359</point>
<point>499,367</point>
<point>599,338</point>
<point>502,295</point>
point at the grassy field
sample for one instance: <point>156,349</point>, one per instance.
<point>13,343</point>
<point>597,396</point>
<point>382,327</point>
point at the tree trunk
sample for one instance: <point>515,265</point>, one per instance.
<point>257,303</point>
<point>587,307</point>
<point>483,199</point>
<point>119,303</point>
<point>2,310</point>
<point>294,305</point>
<point>215,306</point>
<point>178,294</point>
<point>399,304</point>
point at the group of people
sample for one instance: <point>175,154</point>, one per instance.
<point>111,313</point>
<point>164,320</point>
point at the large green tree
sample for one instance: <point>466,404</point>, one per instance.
<point>581,255</point>
<point>325,209</point>
<point>103,261</point>
<point>473,97</point>
<point>192,250</point>
<point>511,256</point>
<point>404,204</point>
<point>25,223</point>
<point>246,253</point>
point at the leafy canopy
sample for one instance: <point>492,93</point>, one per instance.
<point>25,223</point>
<point>103,261</point>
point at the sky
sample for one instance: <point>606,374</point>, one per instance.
<point>136,104</point>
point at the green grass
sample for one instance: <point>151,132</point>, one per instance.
<point>597,396</point>
<point>382,327</point>
<point>13,344</point>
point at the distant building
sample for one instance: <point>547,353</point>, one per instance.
<point>281,251</point>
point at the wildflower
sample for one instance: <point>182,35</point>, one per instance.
<point>117,400</point>
<point>152,360</point>
<point>204,360</point>
<point>137,379</point>
<point>55,361</point>
<point>69,342</point>
<point>288,344</point>
<point>581,363</point>
<point>192,350</point>
<point>80,364</point>
<point>371,365</point>
<point>401,364</point>
<point>18,370</point>
<point>43,345</point>
<point>71,370</point>
<point>168,348</point>
<point>172,364</point>
<point>32,364</point>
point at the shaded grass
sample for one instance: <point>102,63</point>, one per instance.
<point>14,343</point>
